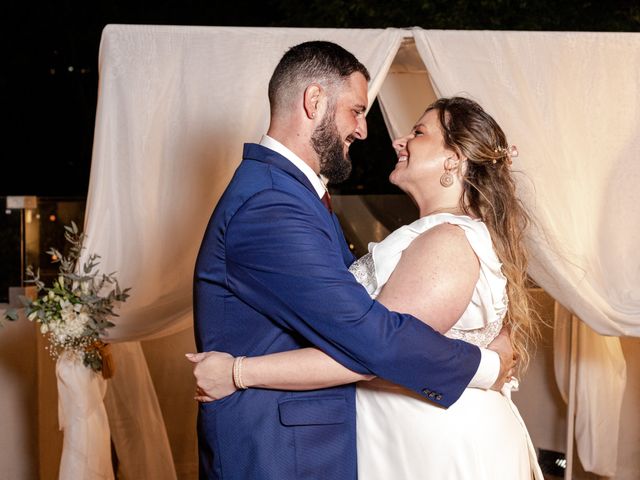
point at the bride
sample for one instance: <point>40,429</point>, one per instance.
<point>459,268</point>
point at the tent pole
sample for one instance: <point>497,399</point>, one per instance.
<point>571,414</point>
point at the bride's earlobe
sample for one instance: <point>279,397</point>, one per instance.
<point>451,162</point>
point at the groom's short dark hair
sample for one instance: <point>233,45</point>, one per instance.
<point>315,61</point>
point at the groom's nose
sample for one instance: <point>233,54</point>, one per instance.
<point>361,129</point>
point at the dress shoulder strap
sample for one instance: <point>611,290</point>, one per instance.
<point>386,254</point>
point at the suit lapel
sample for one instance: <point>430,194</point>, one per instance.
<point>254,151</point>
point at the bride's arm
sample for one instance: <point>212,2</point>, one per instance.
<point>303,369</point>
<point>433,281</point>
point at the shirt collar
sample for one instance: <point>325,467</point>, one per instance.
<point>308,172</point>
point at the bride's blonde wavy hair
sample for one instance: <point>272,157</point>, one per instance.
<point>490,194</point>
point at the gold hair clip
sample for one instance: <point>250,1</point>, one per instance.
<point>509,152</point>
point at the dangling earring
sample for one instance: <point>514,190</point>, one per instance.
<point>446,180</point>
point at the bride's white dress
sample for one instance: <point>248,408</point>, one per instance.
<point>401,435</point>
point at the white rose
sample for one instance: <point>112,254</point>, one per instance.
<point>67,313</point>
<point>44,328</point>
<point>32,316</point>
<point>83,319</point>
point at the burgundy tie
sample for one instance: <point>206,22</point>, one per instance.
<point>326,201</point>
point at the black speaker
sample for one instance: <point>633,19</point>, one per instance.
<point>552,463</point>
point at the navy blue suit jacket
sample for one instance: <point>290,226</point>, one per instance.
<point>272,275</point>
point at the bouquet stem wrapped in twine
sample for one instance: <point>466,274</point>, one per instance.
<point>108,364</point>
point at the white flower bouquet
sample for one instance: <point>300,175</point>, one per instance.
<point>74,312</point>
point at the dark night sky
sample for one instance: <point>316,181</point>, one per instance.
<point>48,80</point>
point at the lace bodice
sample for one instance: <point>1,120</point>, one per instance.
<point>364,271</point>
<point>482,320</point>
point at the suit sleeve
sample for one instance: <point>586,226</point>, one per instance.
<point>283,262</point>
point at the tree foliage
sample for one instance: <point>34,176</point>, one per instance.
<point>49,82</point>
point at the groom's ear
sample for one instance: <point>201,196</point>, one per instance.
<point>312,99</point>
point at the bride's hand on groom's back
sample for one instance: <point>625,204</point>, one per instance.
<point>214,375</point>
<point>502,346</point>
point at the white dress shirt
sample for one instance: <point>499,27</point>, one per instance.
<point>489,367</point>
<point>277,147</point>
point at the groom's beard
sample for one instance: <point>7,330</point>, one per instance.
<point>335,165</point>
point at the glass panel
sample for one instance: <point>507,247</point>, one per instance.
<point>10,250</point>
<point>370,218</point>
<point>27,234</point>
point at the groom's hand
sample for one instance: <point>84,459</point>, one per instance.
<point>214,375</point>
<point>502,346</point>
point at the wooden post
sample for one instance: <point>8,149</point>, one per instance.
<point>571,413</point>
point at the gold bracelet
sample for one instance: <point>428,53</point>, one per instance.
<point>237,373</point>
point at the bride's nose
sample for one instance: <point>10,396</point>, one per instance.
<point>400,143</point>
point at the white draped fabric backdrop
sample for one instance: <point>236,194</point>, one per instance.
<point>176,104</point>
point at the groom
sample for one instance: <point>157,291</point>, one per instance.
<point>272,275</point>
